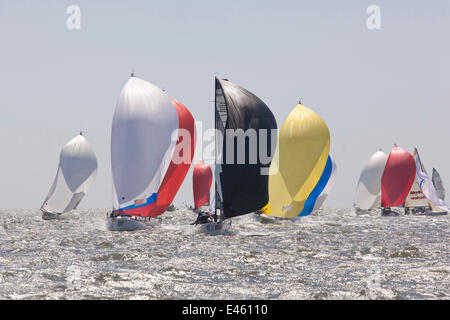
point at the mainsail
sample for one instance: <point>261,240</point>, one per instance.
<point>398,177</point>
<point>77,170</point>
<point>303,148</point>
<point>201,182</point>
<point>141,146</point>
<point>438,185</point>
<point>244,126</point>
<point>368,191</point>
<point>180,163</point>
<point>321,199</point>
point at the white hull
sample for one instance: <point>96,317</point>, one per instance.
<point>433,213</point>
<point>215,228</point>
<point>49,215</point>
<point>124,223</point>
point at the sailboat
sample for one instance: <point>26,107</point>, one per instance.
<point>148,164</point>
<point>201,185</point>
<point>303,151</point>
<point>201,182</point>
<point>397,180</point>
<point>437,205</point>
<point>368,190</point>
<point>438,185</point>
<point>240,185</point>
<point>76,172</point>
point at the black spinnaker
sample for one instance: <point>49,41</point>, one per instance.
<point>240,186</point>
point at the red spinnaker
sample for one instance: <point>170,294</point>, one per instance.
<point>202,180</point>
<point>181,161</point>
<point>398,178</point>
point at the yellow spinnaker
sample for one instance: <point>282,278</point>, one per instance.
<point>302,153</point>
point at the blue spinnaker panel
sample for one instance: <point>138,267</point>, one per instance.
<point>312,198</point>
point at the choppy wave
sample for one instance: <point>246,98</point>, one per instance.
<point>332,254</point>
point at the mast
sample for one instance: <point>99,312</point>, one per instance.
<point>216,198</point>
<point>215,153</point>
<point>221,115</point>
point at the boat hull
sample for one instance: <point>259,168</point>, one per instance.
<point>125,224</point>
<point>433,213</point>
<point>50,215</point>
<point>389,213</point>
<point>215,228</point>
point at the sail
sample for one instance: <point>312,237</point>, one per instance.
<point>438,185</point>
<point>368,191</point>
<point>77,170</point>
<point>141,146</point>
<point>326,191</point>
<point>318,189</point>
<point>240,186</point>
<point>398,178</point>
<point>180,163</point>
<point>303,148</point>
<point>415,197</point>
<point>212,204</point>
<point>201,181</point>
<point>427,187</point>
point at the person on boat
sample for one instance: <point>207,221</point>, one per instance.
<point>203,217</point>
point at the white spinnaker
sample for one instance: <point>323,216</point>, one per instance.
<point>77,170</point>
<point>368,191</point>
<point>326,191</point>
<point>141,141</point>
<point>427,187</point>
<point>438,184</point>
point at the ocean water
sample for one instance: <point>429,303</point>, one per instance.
<point>332,254</point>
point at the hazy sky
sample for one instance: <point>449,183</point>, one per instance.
<point>374,88</point>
